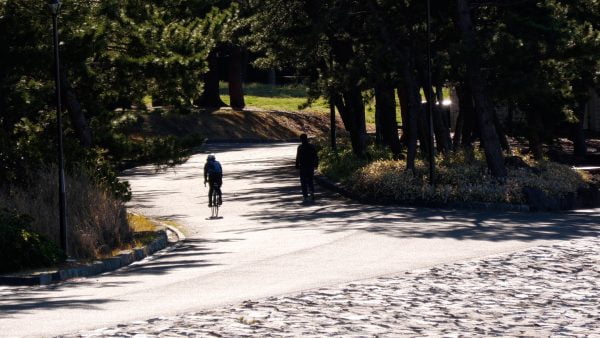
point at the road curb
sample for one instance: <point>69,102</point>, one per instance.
<point>91,269</point>
<point>177,232</point>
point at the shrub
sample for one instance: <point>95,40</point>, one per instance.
<point>340,165</point>
<point>97,220</point>
<point>460,177</point>
<point>21,248</point>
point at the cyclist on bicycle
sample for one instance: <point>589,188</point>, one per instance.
<point>213,174</point>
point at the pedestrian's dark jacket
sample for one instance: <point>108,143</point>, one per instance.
<point>307,158</point>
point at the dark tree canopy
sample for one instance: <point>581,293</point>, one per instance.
<point>538,58</point>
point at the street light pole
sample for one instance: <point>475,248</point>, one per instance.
<point>332,124</point>
<point>430,99</point>
<point>54,6</point>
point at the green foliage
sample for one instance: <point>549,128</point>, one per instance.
<point>161,137</point>
<point>114,54</point>
<point>105,174</point>
<point>544,59</point>
<point>21,248</point>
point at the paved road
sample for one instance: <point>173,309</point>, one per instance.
<point>545,291</point>
<point>268,244</point>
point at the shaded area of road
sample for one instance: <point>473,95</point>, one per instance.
<point>268,243</point>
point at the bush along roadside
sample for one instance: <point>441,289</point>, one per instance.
<point>462,179</point>
<point>96,218</point>
<point>21,248</point>
<point>148,237</point>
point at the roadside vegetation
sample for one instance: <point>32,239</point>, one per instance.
<point>99,226</point>
<point>21,248</point>
<point>461,177</point>
<point>97,219</point>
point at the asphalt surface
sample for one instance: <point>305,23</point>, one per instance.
<point>268,243</point>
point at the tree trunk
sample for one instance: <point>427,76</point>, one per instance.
<point>442,133</point>
<point>535,143</point>
<point>76,115</point>
<point>423,131</point>
<point>483,105</point>
<point>234,67</point>
<point>577,134</point>
<point>467,110</point>
<point>386,110</point>
<point>501,134</point>
<point>210,96</point>
<point>510,116</point>
<point>350,102</point>
<point>404,112</point>
<point>445,112</point>
<point>378,122</point>
<point>272,77</point>
<point>352,111</point>
<point>413,105</point>
<point>460,121</point>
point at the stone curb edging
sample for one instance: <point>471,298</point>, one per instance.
<point>177,232</point>
<point>95,268</point>
<point>341,189</point>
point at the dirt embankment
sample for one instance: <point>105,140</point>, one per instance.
<point>227,124</point>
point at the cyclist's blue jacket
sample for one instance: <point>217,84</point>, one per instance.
<point>212,169</point>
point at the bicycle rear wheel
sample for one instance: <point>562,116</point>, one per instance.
<point>215,205</point>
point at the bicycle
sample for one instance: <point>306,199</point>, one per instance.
<point>215,199</point>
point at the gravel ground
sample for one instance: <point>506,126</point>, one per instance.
<point>543,291</point>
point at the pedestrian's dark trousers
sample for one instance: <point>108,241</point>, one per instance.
<point>307,181</point>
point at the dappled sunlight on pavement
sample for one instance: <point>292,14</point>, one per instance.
<point>269,243</point>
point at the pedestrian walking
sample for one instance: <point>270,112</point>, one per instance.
<point>307,161</point>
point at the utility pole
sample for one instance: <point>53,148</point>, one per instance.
<point>430,100</point>
<point>54,7</point>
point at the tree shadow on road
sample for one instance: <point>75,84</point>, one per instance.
<point>333,213</point>
<point>189,254</point>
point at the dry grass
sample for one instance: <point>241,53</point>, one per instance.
<point>144,232</point>
<point>140,223</point>
<point>229,124</point>
<point>459,178</point>
<point>97,222</point>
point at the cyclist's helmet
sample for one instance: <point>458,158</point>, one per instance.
<point>211,157</point>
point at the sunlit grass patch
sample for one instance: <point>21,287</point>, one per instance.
<point>278,97</point>
<point>144,232</point>
<point>140,223</point>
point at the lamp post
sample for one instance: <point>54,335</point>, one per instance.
<point>430,99</point>
<point>54,6</point>
<point>332,125</point>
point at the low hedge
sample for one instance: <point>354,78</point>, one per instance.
<point>460,178</point>
<point>21,248</point>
